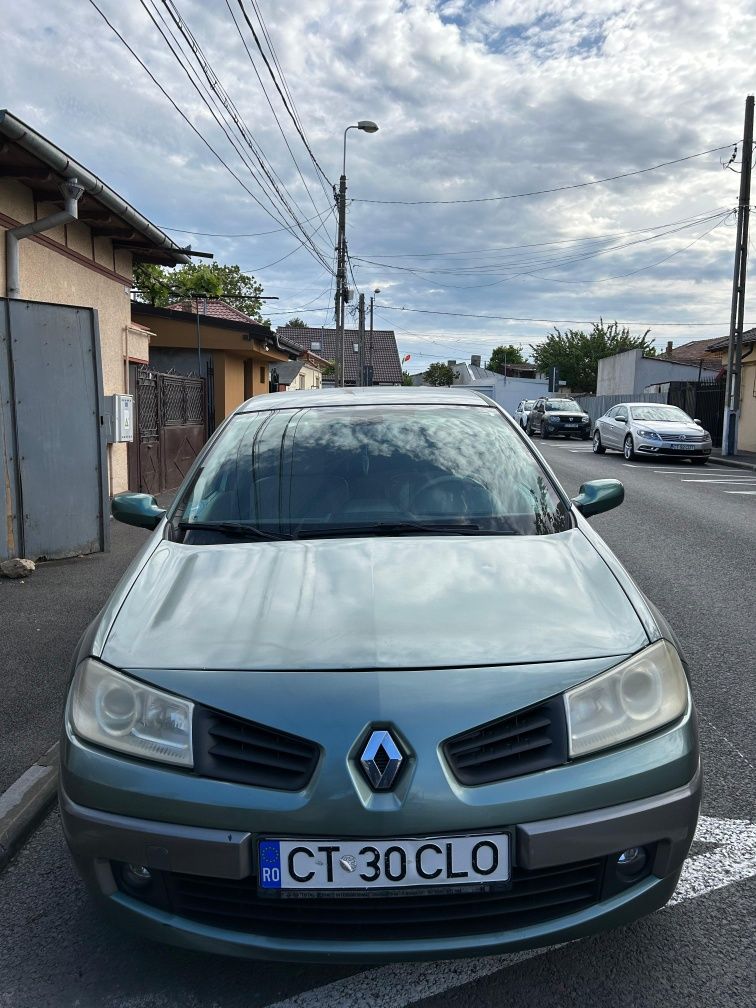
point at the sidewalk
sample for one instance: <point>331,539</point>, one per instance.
<point>743,460</point>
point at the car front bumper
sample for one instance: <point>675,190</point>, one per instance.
<point>647,446</point>
<point>223,912</point>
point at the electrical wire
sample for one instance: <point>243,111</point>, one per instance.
<point>270,104</point>
<point>554,189</point>
<point>183,115</point>
<point>244,234</point>
<point>283,99</point>
<point>219,94</point>
<point>703,215</point>
<point>290,96</point>
<point>526,318</point>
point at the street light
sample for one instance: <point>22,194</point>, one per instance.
<point>367,126</point>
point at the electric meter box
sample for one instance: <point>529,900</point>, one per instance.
<point>120,418</point>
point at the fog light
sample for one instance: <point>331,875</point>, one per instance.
<point>137,876</point>
<point>631,861</point>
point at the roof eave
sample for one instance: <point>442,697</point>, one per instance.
<point>60,162</point>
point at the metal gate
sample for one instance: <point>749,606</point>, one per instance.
<point>171,425</point>
<point>705,401</point>
<point>53,483</point>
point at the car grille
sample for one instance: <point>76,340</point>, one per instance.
<point>532,739</point>
<point>533,897</point>
<point>232,749</point>
<point>688,438</point>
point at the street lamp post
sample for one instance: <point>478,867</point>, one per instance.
<point>341,285</point>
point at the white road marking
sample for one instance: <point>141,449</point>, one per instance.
<point>397,986</point>
<point>735,481</point>
<point>740,492</point>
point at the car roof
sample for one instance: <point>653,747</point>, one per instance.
<point>388,395</point>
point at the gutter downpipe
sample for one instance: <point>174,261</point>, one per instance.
<point>14,235</point>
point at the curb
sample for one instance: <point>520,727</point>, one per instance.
<point>734,463</point>
<point>26,801</point>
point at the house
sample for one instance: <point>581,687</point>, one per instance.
<point>380,351</point>
<point>632,372</point>
<point>506,390</point>
<point>305,373</point>
<point>747,420</point>
<point>214,340</point>
<point>69,246</point>
<point>696,352</point>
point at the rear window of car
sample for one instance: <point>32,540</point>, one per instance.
<point>332,470</point>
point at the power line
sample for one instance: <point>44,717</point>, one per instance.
<point>283,99</point>
<point>219,94</point>
<point>525,318</point>
<point>703,215</point>
<point>543,192</point>
<point>540,265</point>
<point>183,115</point>
<point>270,104</point>
<point>244,234</point>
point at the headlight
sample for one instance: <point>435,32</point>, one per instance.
<point>117,712</point>
<point>640,695</point>
<point>648,434</point>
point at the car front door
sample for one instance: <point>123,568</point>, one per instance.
<point>620,426</point>
<point>536,416</point>
<point>607,427</point>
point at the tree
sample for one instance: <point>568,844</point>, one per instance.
<point>576,354</point>
<point>161,287</point>
<point>406,378</point>
<point>502,355</point>
<point>297,323</point>
<point>440,374</point>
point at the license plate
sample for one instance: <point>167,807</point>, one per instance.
<point>680,447</point>
<point>570,425</point>
<point>383,864</point>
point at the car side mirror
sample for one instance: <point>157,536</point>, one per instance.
<point>599,496</point>
<point>137,509</point>
<point>697,421</point>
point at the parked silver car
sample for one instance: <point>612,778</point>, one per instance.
<point>523,411</point>
<point>651,429</point>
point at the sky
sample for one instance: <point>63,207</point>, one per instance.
<point>474,100</point>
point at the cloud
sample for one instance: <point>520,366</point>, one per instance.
<point>473,99</point>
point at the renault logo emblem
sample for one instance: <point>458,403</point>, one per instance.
<point>381,759</point>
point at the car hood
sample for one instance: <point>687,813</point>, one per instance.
<point>418,602</point>
<point>669,426</point>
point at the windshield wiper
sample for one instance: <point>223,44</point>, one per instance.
<point>398,529</point>
<point>237,530</point>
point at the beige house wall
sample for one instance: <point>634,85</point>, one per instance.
<point>56,274</point>
<point>747,421</point>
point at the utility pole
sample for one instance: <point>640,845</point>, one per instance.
<point>735,343</point>
<point>361,340</point>
<point>340,279</point>
<point>369,368</point>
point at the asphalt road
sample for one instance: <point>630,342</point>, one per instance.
<point>691,546</point>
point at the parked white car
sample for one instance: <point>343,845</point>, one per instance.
<point>651,429</point>
<point>522,412</point>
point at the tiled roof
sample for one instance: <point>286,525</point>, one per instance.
<point>217,309</point>
<point>385,356</point>
<point>722,344</point>
<point>691,353</point>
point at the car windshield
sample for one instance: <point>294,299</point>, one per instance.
<point>372,469</point>
<point>658,411</point>
<point>562,406</point>
<point>528,404</point>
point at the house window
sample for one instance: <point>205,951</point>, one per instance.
<point>262,374</point>
<point>315,345</point>
<point>301,381</point>
<point>356,347</point>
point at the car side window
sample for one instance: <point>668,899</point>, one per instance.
<point>612,413</point>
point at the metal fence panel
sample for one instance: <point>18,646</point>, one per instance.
<point>596,406</point>
<point>52,370</point>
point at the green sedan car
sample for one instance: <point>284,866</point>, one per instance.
<point>375,690</point>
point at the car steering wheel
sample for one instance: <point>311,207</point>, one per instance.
<point>456,481</point>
